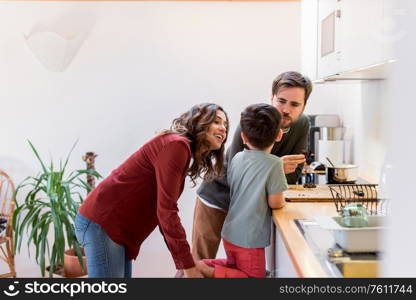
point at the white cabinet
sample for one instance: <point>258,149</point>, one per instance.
<point>284,266</point>
<point>340,37</point>
<point>361,31</point>
<point>392,33</point>
<point>281,263</point>
<point>278,260</point>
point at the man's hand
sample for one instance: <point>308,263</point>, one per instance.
<point>193,273</point>
<point>291,162</point>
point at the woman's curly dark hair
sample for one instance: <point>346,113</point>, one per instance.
<point>194,125</point>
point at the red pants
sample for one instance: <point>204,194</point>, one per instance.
<point>240,262</point>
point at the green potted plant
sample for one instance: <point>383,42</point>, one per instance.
<point>51,204</point>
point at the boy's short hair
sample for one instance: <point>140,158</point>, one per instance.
<point>260,123</point>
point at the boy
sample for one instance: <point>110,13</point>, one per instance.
<point>257,182</point>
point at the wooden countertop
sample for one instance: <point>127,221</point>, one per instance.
<point>303,259</point>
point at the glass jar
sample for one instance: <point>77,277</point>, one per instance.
<point>354,215</point>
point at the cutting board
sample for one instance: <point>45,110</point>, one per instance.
<point>297,193</point>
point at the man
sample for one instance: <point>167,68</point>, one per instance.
<point>290,91</point>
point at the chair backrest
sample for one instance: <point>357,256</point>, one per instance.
<point>6,199</point>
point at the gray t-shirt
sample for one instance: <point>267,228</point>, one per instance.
<point>295,141</point>
<point>253,175</point>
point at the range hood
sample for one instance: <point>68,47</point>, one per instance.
<point>377,71</point>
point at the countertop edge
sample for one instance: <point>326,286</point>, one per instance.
<point>304,261</point>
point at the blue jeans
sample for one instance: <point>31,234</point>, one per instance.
<point>105,258</point>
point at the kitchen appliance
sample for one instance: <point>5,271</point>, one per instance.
<point>331,144</point>
<point>325,138</point>
<point>329,37</point>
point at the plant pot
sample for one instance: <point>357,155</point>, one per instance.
<point>58,272</point>
<point>72,267</point>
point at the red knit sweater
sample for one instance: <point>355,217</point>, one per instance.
<point>141,194</point>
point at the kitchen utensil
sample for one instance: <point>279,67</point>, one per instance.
<point>327,158</point>
<point>342,174</point>
<point>359,193</point>
<point>354,215</point>
<point>335,252</point>
<point>364,194</point>
<point>298,193</point>
<point>317,166</point>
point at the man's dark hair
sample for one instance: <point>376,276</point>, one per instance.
<point>292,79</point>
<point>260,123</point>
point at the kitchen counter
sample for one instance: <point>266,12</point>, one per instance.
<point>304,261</point>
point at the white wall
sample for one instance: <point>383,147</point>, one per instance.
<point>309,37</point>
<point>362,107</point>
<point>400,238</point>
<point>141,65</point>
<point>375,133</point>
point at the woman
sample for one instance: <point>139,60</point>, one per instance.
<point>142,193</point>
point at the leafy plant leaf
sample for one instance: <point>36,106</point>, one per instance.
<point>49,203</point>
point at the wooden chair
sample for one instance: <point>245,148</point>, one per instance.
<point>6,211</point>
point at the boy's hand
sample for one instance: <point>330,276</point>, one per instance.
<point>291,162</point>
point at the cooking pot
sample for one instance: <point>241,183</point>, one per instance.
<point>341,174</point>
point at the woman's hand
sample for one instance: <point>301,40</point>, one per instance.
<point>291,162</point>
<point>193,273</point>
<point>207,271</point>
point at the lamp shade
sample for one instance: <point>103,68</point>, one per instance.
<point>54,51</point>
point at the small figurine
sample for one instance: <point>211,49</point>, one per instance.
<point>89,158</point>
<point>3,222</point>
